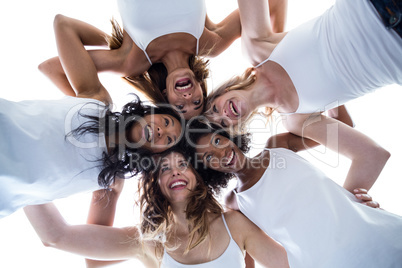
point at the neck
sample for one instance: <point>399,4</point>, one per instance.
<point>175,59</point>
<point>264,93</point>
<point>179,217</point>
<point>252,169</point>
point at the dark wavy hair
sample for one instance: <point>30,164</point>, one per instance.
<point>156,214</point>
<point>119,161</point>
<point>195,130</point>
<point>152,82</point>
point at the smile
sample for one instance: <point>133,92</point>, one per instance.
<point>148,133</point>
<point>178,184</point>
<point>231,158</point>
<point>183,85</point>
<point>233,108</point>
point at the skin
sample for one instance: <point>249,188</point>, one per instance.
<point>274,88</point>
<point>173,50</point>
<point>102,242</point>
<point>83,78</point>
<point>216,151</point>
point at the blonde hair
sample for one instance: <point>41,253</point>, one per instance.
<point>152,82</point>
<point>157,217</point>
<point>239,82</point>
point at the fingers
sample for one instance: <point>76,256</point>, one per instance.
<point>366,199</point>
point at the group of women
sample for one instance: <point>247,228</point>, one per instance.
<point>283,211</point>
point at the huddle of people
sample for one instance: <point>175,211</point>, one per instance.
<point>187,145</point>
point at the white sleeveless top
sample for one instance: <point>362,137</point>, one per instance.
<point>341,55</point>
<point>319,223</point>
<point>37,163</point>
<point>147,20</point>
<point>232,257</point>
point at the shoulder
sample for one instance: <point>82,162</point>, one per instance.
<point>230,201</point>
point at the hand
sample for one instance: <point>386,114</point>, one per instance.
<point>365,198</point>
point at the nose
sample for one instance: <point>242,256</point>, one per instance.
<point>160,132</point>
<point>175,171</point>
<point>187,95</point>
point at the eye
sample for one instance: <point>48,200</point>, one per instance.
<point>166,122</point>
<point>180,107</point>
<point>217,140</point>
<point>165,168</point>
<point>197,102</point>
<point>214,109</point>
<point>183,164</point>
<point>170,140</point>
<point>208,158</point>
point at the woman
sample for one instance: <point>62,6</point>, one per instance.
<point>319,223</point>
<point>182,225</point>
<point>162,48</point>
<point>79,138</point>
<point>343,54</point>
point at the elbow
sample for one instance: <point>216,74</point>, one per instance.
<point>60,20</point>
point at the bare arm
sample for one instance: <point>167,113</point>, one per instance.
<point>94,241</point>
<point>102,212</point>
<point>368,158</point>
<point>222,34</point>
<point>75,60</point>
<point>257,243</point>
<point>297,143</point>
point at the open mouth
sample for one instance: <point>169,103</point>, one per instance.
<point>148,133</point>
<point>233,108</point>
<point>183,84</point>
<point>178,184</point>
<point>231,158</point>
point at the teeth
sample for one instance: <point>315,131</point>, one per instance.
<point>177,183</point>
<point>183,87</point>
<point>232,108</point>
<point>230,158</point>
<point>150,133</point>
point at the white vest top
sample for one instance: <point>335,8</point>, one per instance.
<point>37,163</point>
<point>232,257</point>
<point>341,55</point>
<point>147,20</point>
<point>319,223</point>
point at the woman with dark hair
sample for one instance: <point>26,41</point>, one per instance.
<point>182,225</point>
<point>162,48</point>
<point>54,148</point>
<point>319,223</point>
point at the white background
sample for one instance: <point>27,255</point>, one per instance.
<point>27,39</point>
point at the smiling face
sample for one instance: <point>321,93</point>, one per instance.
<point>230,108</point>
<point>219,153</point>
<point>175,178</point>
<point>155,132</point>
<point>184,92</point>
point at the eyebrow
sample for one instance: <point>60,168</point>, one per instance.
<point>198,107</point>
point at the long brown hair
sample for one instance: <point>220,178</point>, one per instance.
<point>156,214</point>
<point>152,82</point>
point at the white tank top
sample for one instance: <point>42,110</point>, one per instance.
<point>147,20</point>
<point>37,163</point>
<point>319,223</point>
<point>232,257</point>
<point>341,55</point>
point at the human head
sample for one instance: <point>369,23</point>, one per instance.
<point>185,89</point>
<point>227,105</point>
<point>198,131</point>
<point>156,199</point>
<point>137,131</point>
